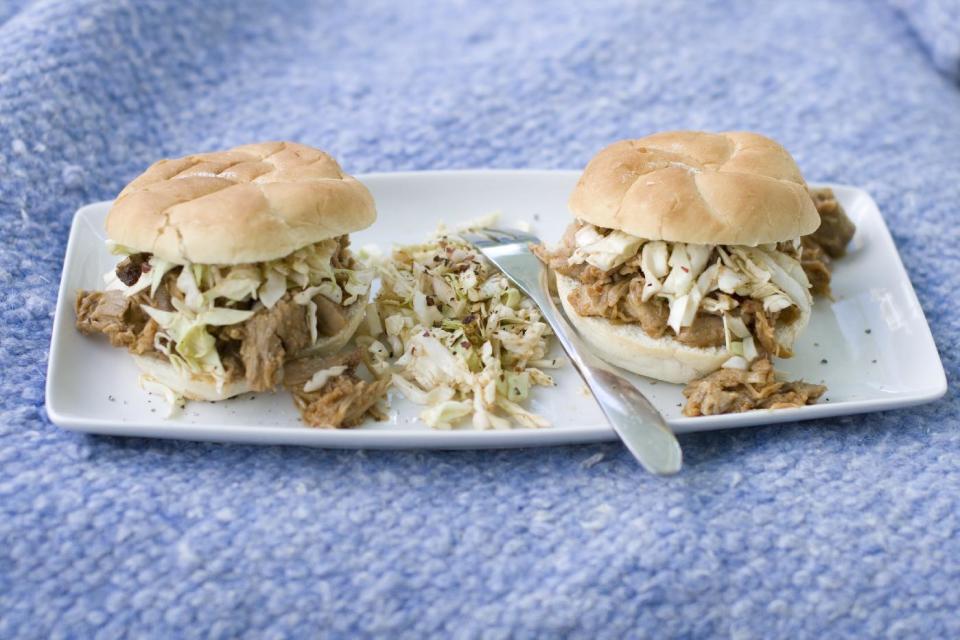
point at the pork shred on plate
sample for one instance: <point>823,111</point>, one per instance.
<point>737,390</point>
<point>329,393</point>
<point>280,308</point>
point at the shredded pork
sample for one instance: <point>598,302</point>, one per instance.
<point>836,229</point>
<point>342,400</point>
<point>828,242</point>
<point>616,295</point>
<point>118,318</point>
<point>737,390</point>
<point>132,267</point>
<point>267,338</point>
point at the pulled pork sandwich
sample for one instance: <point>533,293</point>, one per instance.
<point>234,263</point>
<point>685,255</point>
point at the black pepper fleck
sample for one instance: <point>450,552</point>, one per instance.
<point>868,331</point>
<point>816,344</point>
<point>111,399</point>
<point>824,361</point>
<point>874,361</point>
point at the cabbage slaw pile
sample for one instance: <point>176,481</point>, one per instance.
<point>678,272</point>
<point>211,295</point>
<point>466,342</point>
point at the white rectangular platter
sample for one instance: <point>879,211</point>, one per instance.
<point>872,346</point>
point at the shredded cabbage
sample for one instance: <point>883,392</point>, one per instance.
<point>467,342</point>
<point>321,377</point>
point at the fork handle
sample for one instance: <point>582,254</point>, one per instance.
<point>637,422</point>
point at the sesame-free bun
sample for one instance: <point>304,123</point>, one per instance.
<point>249,204</point>
<point>629,347</point>
<point>203,387</point>
<point>702,188</point>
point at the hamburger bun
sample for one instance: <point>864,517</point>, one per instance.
<point>252,203</point>
<point>629,347</point>
<point>702,188</point>
<point>193,387</point>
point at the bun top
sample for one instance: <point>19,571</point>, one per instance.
<point>249,204</point>
<point>697,187</point>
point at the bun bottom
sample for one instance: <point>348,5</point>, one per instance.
<point>629,347</point>
<point>194,387</point>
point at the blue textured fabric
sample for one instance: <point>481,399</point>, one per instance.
<point>937,24</point>
<point>837,528</point>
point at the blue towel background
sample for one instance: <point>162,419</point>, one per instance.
<point>937,25</point>
<point>845,527</point>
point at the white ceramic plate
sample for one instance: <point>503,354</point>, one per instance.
<point>872,347</point>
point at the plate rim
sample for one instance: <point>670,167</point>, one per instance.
<point>466,438</point>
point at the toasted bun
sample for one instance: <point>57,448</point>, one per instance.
<point>701,188</point>
<point>249,204</point>
<point>629,347</point>
<point>204,387</point>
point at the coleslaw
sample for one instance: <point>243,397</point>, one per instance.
<point>467,343</point>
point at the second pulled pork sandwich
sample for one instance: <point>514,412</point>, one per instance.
<point>684,255</point>
<point>233,263</point>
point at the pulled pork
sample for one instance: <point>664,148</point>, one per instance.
<point>616,295</point>
<point>254,350</point>
<point>735,391</point>
<point>829,241</point>
<point>132,267</point>
<point>117,317</point>
<point>266,339</point>
<point>343,400</point>
<point>836,229</point>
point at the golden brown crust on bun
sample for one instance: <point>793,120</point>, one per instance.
<point>697,187</point>
<point>249,204</point>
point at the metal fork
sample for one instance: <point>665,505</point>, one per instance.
<point>633,417</point>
